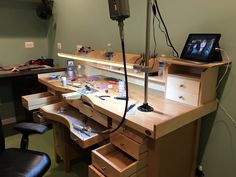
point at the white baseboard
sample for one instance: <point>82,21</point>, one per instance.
<point>9,120</point>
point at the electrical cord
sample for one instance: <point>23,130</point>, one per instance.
<point>159,24</point>
<point>227,67</point>
<point>140,57</point>
<point>121,28</point>
<point>226,112</point>
<point>154,34</point>
<point>220,80</point>
<point>167,34</point>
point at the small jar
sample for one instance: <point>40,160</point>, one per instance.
<point>109,51</point>
<point>161,68</point>
<point>121,89</point>
<point>63,81</point>
<point>79,70</point>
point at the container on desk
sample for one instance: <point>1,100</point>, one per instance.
<point>80,70</point>
<point>161,68</point>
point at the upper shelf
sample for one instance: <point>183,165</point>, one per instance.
<point>192,63</point>
<point>97,59</point>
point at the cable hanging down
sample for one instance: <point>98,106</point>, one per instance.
<point>155,10</point>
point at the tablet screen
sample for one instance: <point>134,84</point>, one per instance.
<point>200,47</point>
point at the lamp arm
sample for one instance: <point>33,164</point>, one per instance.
<point>145,107</point>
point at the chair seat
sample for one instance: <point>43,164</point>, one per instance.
<point>23,163</point>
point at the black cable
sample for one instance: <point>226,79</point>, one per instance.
<point>159,23</point>
<point>140,57</point>
<point>121,28</point>
<point>154,36</point>
<point>167,34</point>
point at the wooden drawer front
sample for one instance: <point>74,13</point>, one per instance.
<point>93,114</point>
<point>113,162</point>
<point>140,173</point>
<point>93,172</point>
<point>35,101</point>
<point>128,145</point>
<point>182,84</point>
<point>182,97</point>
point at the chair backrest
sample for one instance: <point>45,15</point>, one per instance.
<point>2,139</point>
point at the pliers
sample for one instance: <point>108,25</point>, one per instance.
<point>102,97</point>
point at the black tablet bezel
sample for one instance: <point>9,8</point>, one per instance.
<point>199,57</point>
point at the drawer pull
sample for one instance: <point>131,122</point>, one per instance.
<point>103,168</point>
<point>181,97</point>
<point>122,144</point>
<point>181,85</point>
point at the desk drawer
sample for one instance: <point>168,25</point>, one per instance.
<point>35,101</point>
<point>183,84</point>
<point>182,97</point>
<point>89,111</point>
<point>93,114</point>
<point>111,161</point>
<point>128,145</point>
<point>93,172</point>
<point>71,117</point>
<point>183,90</point>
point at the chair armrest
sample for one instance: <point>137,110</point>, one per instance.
<point>30,128</point>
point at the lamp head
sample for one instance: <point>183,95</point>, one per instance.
<point>44,10</point>
<point>119,9</point>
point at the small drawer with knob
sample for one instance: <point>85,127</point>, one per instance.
<point>183,89</point>
<point>93,172</point>
<point>131,147</point>
<point>111,161</point>
<point>183,84</point>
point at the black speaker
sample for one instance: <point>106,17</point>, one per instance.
<point>119,9</point>
<point>44,10</point>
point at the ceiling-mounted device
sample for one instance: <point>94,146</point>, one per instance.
<point>44,10</point>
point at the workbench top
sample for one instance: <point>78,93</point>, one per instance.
<point>167,116</point>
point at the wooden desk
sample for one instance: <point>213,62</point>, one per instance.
<point>171,131</point>
<point>16,84</point>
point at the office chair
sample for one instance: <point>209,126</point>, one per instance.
<point>21,162</point>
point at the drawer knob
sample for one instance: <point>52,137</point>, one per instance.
<point>181,97</point>
<point>103,168</point>
<point>181,85</point>
<point>122,144</point>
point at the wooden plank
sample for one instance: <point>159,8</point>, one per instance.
<point>174,154</point>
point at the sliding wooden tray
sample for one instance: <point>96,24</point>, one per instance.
<point>93,172</point>
<point>134,149</point>
<point>111,161</point>
<point>69,116</point>
<point>35,101</point>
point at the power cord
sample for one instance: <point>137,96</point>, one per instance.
<point>155,11</point>
<point>220,80</point>
<point>121,28</point>
<point>227,67</point>
<point>226,112</point>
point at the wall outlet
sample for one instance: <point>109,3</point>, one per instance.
<point>59,46</point>
<point>29,45</point>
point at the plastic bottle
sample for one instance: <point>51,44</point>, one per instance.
<point>161,68</point>
<point>109,51</point>
<point>121,88</point>
<point>70,72</point>
<point>79,70</point>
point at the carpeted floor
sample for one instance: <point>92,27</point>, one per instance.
<point>44,143</point>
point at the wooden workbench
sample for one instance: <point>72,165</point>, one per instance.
<point>171,130</point>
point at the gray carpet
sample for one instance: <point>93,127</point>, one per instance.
<point>44,143</point>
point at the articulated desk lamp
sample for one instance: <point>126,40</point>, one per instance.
<point>119,10</point>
